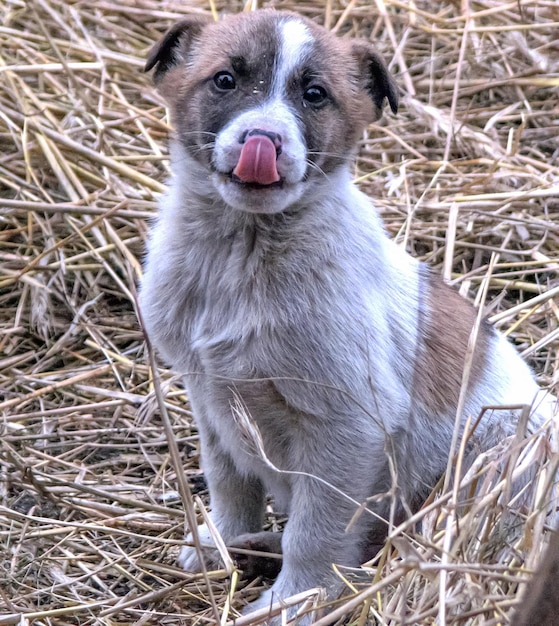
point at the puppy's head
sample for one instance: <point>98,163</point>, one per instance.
<point>268,102</point>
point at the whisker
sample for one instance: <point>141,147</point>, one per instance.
<point>337,155</point>
<point>205,146</point>
<point>317,168</point>
<point>199,132</point>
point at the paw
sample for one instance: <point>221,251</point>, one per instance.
<point>266,601</point>
<point>253,565</point>
<point>189,557</point>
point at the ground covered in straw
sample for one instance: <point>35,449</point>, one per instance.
<point>467,178</point>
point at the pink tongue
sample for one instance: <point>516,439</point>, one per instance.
<point>257,163</point>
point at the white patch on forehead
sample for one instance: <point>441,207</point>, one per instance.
<point>295,39</point>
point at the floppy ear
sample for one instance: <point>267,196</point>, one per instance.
<point>174,46</point>
<point>377,81</point>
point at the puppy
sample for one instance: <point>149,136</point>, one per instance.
<point>270,283</point>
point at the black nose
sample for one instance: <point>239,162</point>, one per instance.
<point>275,137</point>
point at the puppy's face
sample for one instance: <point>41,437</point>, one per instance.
<point>268,102</point>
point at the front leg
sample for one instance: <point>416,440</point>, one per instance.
<point>316,537</point>
<point>236,498</point>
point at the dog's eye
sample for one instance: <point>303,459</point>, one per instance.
<point>315,95</point>
<point>224,81</point>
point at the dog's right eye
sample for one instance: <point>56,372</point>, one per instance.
<point>224,81</point>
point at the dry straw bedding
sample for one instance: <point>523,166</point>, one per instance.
<point>467,178</point>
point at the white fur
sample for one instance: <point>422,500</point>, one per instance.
<point>295,42</point>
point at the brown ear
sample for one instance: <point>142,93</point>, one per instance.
<point>173,47</point>
<point>377,81</point>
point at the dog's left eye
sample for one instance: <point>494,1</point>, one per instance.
<point>315,95</point>
<point>224,81</point>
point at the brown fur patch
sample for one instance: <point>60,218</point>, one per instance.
<point>445,325</point>
<point>244,45</point>
<point>331,133</point>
